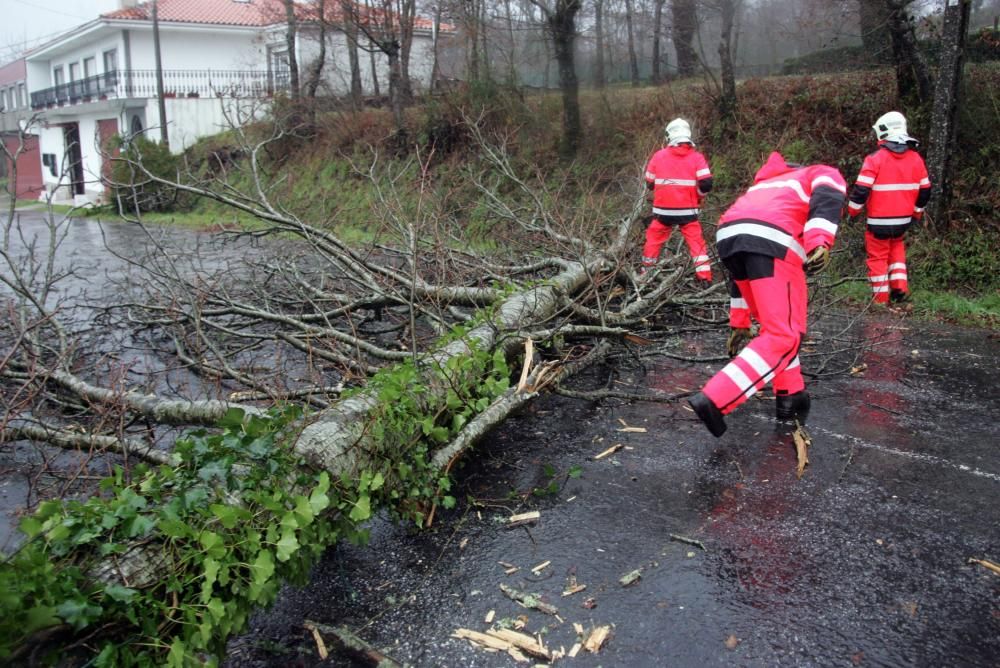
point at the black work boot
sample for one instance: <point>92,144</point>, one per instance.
<point>792,406</point>
<point>709,414</point>
<point>899,296</point>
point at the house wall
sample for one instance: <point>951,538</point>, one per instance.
<point>199,49</point>
<point>94,49</point>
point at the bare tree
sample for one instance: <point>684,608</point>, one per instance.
<point>913,81</point>
<point>560,20</point>
<point>944,126</point>
<point>657,75</point>
<point>600,78</point>
<point>874,18</point>
<point>685,25</point>
<point>633,59</point>
<point>317,15</point>
<point>291,47</point>
<point>727,101</point>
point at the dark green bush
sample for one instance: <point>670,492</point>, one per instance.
<point>133,186</point>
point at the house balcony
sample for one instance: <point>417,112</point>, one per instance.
<point>176,83</point>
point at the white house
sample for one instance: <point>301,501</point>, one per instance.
<point>99,79</point>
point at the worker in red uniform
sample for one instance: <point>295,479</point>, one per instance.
<point>782,227</point>
<point>679,178</point>
<point>893,183</point>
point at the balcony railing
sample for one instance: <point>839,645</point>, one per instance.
<point>176,83</point>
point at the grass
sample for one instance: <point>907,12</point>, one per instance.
<point>937,305</point>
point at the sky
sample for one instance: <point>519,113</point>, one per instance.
<point>27,23</point>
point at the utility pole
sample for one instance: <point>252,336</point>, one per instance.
<point>159,78</point>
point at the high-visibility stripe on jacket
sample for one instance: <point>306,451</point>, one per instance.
<point>680,177</point>
<point>893,183</point>
<point>787,209</point>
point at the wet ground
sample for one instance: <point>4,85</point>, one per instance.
<point>862,561</point>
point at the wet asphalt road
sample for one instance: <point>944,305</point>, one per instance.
<point>863,561</point>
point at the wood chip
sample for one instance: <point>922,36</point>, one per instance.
<point>802,443</point>
<point>529,600</point>
<point>597,638</point>
<point>511,570</point>
<point>522,641</point>
<point>465,541</point>
<point>529,354</point>
<point>540,567</point>
<point>575,589</point>
<point>523,518</point>
<point>986,564</point>
<point>732,641</point>
<point>489,616</point>
<point>578,627</point>
<point>574,650</point>
<point>320,644</point>
<point>610,451</point>
<point>482,639</point>
<point>634,430</point>
<point>630,578</point>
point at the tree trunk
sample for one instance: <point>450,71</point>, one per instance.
<point>600,78</point>
<point>727,101</point>
<point>913,80</point>
<point>874,16</point>
<point>657,75</point>
<point>406,18</point>
<point>562,27</point>
<point>685,15</point>
<point>316,71</point>
<point>512,57</point>
<point>633,60</point>
<point>472,39</point>
<point>944,117</point>
<point>351,30</point>
<point>290,40</point>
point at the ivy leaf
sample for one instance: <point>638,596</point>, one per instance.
<point>213,544</point>
<point>233,419</point>
<point>119,593</point>
<point>40,617</point>
<point>140,526</point>
<point>216,609</point>
<point>448,502</point>
<point>575,472</point>
<point>304,511</point>
<point>30,527</point>
<point>77,612</point>
<point>262,567</point>
<point>377,481</point>
<point>175,658</point>
<point>173,528</point>
<point>227,515</point>
<point>211,573</point>
<point>549,471</point>
<point>362,509</point>
<point>288,545</point>
<point>215,470</point>
<point>318,501</point>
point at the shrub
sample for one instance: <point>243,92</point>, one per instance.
<point>134,189</point>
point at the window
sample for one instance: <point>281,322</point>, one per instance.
<point>74,71</point>
<point>57,76</point>
<point>4,104</point>
<point>89,67</point>
<point>111,60</point>
<point>22,95</point>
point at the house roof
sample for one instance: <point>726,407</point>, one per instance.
<point>249,13</point>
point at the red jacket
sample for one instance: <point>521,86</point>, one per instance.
<point>894,184</point>
<point>787,208</point>
<point>680,178</point>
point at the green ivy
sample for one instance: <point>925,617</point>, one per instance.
<point>236,514</point>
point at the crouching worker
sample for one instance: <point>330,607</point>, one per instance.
<point>781,228</point>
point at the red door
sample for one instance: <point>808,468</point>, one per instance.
<point>29,166</point>
<point>107,129</point>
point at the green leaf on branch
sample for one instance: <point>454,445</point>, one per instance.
<point>362,509</point>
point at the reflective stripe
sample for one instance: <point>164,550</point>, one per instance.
<point>889,221</point>
<point>794,363</point>
<point>898,276</point>
<point>738,302</point>
<point>925,181</point>
<point>918,209</point>
<point>650,176</point>
<point>763,232</point>
<point>854,206</point>
<point>703,172</point>
<point>676,182</point>
<point>752,358</point>
<point>790,183</point>
<point>880,288</point>
<point>897,265</point>
<point>736,375</point>
<point>700,258</point>
<point>702,268</point>
<point>879,279</point>
<point>675,212</point>
<point>867,180</point>
<point>896,186</point>
<point>820,224</point>
<point>820,180</point>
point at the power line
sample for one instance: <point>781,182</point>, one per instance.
<point>49,9</point>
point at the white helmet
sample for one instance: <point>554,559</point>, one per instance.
<point>892,127</point>
<point>678,132</point>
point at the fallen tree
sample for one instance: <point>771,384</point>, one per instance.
<point>168,561</point>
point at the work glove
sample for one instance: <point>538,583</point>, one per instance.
<point>738,337</point>
<point>817,260</point>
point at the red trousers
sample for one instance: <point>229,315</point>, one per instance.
<point>657,234</point>
<point>778,302</point>
<point>886,266</point>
